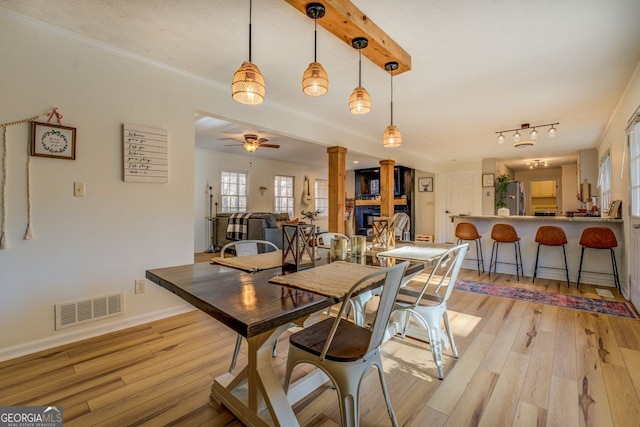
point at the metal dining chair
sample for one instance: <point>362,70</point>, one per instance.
<point>246,248</point>
<point>346,351</point>
<point>324,239</point>
<point>427,305</point>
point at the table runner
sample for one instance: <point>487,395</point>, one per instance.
<point>252,263</point>
<point>418,253</point>
<point>332,280</point>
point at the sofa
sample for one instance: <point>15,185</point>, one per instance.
<point>261,226</point>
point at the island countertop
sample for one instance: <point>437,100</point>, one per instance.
<point>541,218</point>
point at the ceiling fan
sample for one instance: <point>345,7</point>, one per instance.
<point>252,142</point>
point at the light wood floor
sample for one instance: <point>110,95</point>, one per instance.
<point>521,364</point>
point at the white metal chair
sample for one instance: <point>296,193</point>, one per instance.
<point>245,248</point>
<point>324,239</point>
<point>428,306</point>
<point>402,223</point>
<point>346,351</point>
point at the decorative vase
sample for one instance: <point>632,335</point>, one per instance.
<point>504,212</point>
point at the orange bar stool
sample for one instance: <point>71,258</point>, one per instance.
<point>599,238</point>
<point>505,233</point>
<point>550,235</point>
<point>468,231</point>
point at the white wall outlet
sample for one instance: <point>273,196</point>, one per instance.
<point>141,285</point>
<point>79,189</point>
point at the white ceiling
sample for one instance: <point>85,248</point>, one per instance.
<point>478,66</point>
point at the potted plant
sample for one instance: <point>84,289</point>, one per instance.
<point>310,215</point>
<point>502,181</point>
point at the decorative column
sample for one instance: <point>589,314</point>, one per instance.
<point>386,188</point>
<point>337,166</point>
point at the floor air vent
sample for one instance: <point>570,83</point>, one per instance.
<point>81,311</point>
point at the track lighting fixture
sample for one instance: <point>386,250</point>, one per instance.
<point>533,135</point>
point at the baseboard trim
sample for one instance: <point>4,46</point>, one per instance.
<point>68,337</point>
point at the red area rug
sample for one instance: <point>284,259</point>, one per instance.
<point>613,308</point>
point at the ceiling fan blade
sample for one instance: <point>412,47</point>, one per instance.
<point>261,140</point>
<point>230,139</point>
<point>269,146</point>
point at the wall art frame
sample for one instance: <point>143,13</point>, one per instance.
<point>425,184</point>
<point>55,141</point>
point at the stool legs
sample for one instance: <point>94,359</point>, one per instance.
<point>479,256</point>
<point>566,268</point>
<point>614,267</point>
<point>518,252</point>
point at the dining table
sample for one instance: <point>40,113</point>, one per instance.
<point>252,305</point>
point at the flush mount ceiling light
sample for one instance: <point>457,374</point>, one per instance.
<point>360,100</point>
<point>391,136</point>
<point>534,164</point>
<point>315,81</point>
<point>248,84</point>
<point>533,134</point>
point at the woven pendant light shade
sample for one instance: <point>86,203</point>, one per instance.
<point>391,137</point>
<point>315,81</point>
<point>248,85</point>
<point>360,101</point>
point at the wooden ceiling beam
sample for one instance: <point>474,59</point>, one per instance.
<point>345,21</point>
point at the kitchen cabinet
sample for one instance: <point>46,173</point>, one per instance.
<point>543,188</point>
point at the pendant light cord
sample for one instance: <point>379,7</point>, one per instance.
<point>315,40</point>
<point>391,72</point>
<point>360,67</point>
<point>250,3</point>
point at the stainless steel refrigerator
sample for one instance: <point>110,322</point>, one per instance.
<point>515,200</point>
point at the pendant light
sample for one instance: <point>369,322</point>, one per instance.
<point>360,101</point>
<point>248,84</point>
<point>315,81</point>
<point>391,136</point>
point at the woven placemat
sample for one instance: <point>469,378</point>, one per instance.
<point>418,253</point>
<point>332,280</point>
<point>252,262</point>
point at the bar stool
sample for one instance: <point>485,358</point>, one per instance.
<point>550,235</point>
<point>599,238</point>
<point>468,231</point>
<point>505,233</point>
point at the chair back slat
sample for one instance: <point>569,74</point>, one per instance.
<point>393,278</point>
<point>248,247</point>
<point>444,273</point>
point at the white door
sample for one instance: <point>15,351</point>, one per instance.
<point>459,199</point>
<point>634,217</point>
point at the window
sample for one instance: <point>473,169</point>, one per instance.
<point>284,194</point>
<point>634,170</point>
<point>604,181</point>
<point>322,196</point>
<point>233,191</point>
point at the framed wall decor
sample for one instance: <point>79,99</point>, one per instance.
<point>55,141</point>
<point>425,184</point>
<point>487,180</point>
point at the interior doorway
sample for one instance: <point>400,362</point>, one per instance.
<point>459,199</point>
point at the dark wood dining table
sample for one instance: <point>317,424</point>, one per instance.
<point>260,311</point>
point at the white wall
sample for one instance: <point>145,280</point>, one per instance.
<point>209,164</point>
<point>615,139</point>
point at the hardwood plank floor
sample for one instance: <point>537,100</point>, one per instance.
<point>521,364</point>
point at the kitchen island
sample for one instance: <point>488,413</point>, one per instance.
<point>527,226</point>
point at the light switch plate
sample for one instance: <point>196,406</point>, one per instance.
<point>79,189</point>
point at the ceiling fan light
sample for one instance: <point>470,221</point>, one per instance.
<point>248,85</point>
<point>315,81</point>
<point>250,146</point>
<point>534,134</point>
<point>391,137</point>
<point>552,132</point>
<point>360,101</point>
<point>501,138</point>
